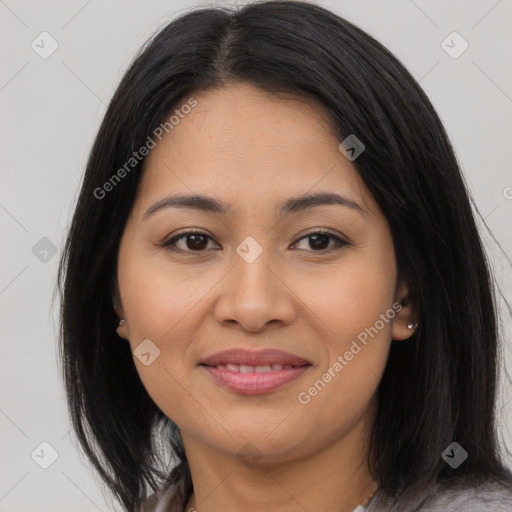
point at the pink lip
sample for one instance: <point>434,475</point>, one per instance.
<point>254,358</point>
<point>254,382</point>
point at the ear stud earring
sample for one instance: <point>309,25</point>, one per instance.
<point>412,326</point>
<point>121,322</point>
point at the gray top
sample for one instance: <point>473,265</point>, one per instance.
<point>489,497</point>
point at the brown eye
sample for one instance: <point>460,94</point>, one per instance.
<point>319,241</point>
<point>193,242</point>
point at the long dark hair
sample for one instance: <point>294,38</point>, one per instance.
<point>438,388</point>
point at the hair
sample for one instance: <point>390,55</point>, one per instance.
<point>437,388</point>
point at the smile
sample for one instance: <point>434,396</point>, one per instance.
<point>246,368</point>
<point>254,380</point>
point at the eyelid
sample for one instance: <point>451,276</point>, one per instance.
<point>188,231</point>
<point>321,231</point>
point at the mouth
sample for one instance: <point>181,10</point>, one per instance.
<point>254,358</point>
<point>250,372</point>
<point>247,368</point>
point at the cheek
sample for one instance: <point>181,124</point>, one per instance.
<point>349,297</point>
<point>167,306</point>
<point>158,297</point>
<point>355,302</point>
<point>340,392</point>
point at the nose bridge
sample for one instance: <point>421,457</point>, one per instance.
<point>254,273</point>
<point>255,294</point>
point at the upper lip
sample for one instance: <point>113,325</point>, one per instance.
<point>254,358</point>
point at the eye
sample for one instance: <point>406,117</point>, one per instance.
<point>319,241</point>
<point>194,241</point>
<point>197,241</point>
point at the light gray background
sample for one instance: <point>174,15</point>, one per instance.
<point>51,109</point>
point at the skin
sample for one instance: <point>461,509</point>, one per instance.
<point>253,150</point>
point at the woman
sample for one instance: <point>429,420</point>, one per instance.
<point>214,350</point>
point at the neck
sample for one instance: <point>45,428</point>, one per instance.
<point>332,479</point>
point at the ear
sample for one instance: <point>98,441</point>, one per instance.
<point>122,329</point>
<point>407,315</point>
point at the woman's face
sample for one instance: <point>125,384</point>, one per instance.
<point>258,276</point>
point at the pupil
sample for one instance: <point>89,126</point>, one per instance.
<point>315,245</point>
<point>195,242</point>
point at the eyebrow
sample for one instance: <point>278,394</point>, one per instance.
<point>291,205</point>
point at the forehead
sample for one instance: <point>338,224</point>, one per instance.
<point>250,146</point>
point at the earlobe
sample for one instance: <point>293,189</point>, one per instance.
<point>119,311</point>
<point>121,330</point>
<point>405,322</point>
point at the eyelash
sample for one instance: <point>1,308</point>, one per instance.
<point>170,244</point>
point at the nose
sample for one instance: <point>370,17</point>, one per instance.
<point>254,296</point>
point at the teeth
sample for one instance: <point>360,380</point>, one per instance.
<point>246,368</point>
<point>266,368</point>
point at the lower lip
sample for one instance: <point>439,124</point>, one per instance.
<point>256,382</point>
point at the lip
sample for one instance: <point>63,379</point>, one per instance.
<point>254,358</point>
<point>250,381</point>
<point>254,383</point>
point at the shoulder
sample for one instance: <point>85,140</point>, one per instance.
<point>167,499</point>
<point>488,497</point>
<point>149,504</point>
<point>485,498</point>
